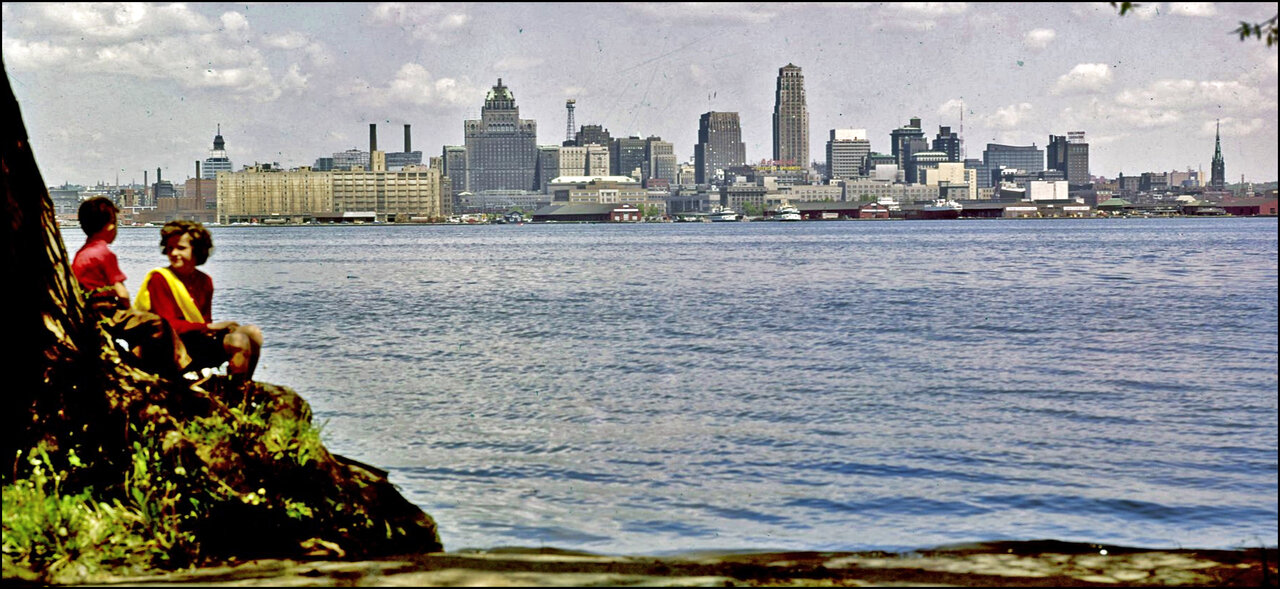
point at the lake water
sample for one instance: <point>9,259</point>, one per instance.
<point>649,389</point>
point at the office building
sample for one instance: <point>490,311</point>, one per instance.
<point>627,157</point>
<point>1070,154</point>
<point>501,148</point>
<point>847,152</point>
<point>790,118</point>
<point>1025,158</point>
<point>719,145</point>
<point>947,142</point>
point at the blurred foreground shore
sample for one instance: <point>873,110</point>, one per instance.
<point>1009,564</point>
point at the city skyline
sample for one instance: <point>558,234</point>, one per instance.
<point>109,91</point>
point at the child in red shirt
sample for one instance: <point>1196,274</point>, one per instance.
<point>183,295</point>
<point>154,343</point>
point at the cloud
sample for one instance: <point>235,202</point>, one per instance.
<point>286,41</point>
<point>1192,94</point>
<point>1198,9</point>
<point>1084,78</point>
<point>1098,112</point>
<point>1232,127</point>
<point>414,85</point>
<point>1038,39</point>
<point>144,42</point>
<point>717,13</point>
<point>1008,117</point>
<point>435,23</point>
<point>951,108</point>
<point>294,81</point>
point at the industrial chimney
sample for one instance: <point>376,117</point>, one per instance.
<point>373,137</point>
<point>406,138</point>
<point>197,169</point>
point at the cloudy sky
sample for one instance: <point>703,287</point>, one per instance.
<point>115,89</point>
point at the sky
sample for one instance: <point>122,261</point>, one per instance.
<point>110,90</point>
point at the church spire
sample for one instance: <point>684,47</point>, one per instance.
<point>1218,170</point>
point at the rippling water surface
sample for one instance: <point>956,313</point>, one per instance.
<point>655,388</point>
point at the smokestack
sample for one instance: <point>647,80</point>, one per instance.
<point>197,169</point>
<point>144,179</point>
<point>406,139</point>
<point>157,175</point>
<point>373,137</point>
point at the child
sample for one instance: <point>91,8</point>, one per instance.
<point>154,342</point>
<point>183,295</point>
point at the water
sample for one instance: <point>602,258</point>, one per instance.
<point>649,389</point>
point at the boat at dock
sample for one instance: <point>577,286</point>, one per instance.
<point>941,208</point>
<point>788,213</point>
<point>723,215</point>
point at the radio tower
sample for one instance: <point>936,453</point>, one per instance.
<point>963,155</point>
<point>568,129</point>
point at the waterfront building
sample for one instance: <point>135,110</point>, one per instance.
<point>1218,169</point>
<point>265,192</point>
<point>501,147</point>
<point>217,161</point>
<point>953,177</point>
<point>847,152</point>
<point>790,118</point>
<point>804,193</point>
<point>598,189</point>
<point>262,191</point>
<point>1047,190</point>
<point>743,197</point>
<point>1027,158</point>
<point>1150,182</point>
<point>871,189</point>
<point>719,145</point>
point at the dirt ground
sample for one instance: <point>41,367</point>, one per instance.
<point>1007,564</point>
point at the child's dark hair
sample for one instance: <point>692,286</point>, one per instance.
<point>96,213</point>
<point>201,241</point>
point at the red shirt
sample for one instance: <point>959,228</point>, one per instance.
<point>199,286</point>
<point>95,266</point>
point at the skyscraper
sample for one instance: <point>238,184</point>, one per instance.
<point>790,118</point>
<point>217,160</point>
<point>906,141</point>
<point>719,145</point>
<point>501,148</point>
<point>1070,155</point>
<point>1218,171</point>
<point>947,142</point>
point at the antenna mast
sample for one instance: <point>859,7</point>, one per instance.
<point>963,154</point>
<point>568,130</point>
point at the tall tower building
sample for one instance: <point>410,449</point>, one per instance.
<point>790,118</point>
<point>1218,171</point>
<point>719,145</point>
<point>217,160</point>
<point>501,148</point>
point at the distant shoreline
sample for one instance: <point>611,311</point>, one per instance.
<point>397,224</point>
